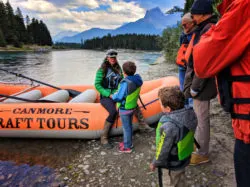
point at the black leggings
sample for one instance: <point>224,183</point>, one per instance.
<point>109,105</point>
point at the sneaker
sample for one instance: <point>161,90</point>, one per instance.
<point>125,150</point>
<point>197,159</point>
<point>121,144</point>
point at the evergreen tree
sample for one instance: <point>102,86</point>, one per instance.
<point>188,6</point>
<point>27,20</point>
<point>2,39</point>
<point>11,35</point>
<point>126,41</point>
<point>3,19</point>
<point>20,28</point>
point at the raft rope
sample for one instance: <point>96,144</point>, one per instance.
<point>149,103</point>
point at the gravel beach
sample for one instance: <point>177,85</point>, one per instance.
<point>85,163</point>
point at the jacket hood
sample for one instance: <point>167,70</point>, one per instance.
<point>224,6</point>
<point>185,116</point>
<point>136,79</point>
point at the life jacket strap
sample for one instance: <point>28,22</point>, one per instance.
<point>241,78</point>
<point>241,100</point>
<point>240,116</point>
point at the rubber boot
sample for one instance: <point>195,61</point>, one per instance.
<point>104,136</point>
<point>143,126</point>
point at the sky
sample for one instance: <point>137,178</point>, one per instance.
<point>80,15</point>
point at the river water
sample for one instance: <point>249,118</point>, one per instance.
<point>25,162</point>
<point>67,67</point>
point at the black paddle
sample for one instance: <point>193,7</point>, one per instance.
<point>27,100</point>
<point>72,93</point>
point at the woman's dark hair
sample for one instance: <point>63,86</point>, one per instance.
<point>105,65</point>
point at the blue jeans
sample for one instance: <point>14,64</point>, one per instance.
<point>127,129</point>
<point>242,163</point>
<point>182,72</point>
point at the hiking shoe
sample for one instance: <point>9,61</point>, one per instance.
<point>125,150</point>
<point>121,145</point>
<point>144,127</point>
<point>107,146</point>
<point>197,159</point>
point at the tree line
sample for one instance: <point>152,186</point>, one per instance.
<point>13,30</point>
<point>124,41</point>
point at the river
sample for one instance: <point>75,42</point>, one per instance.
<point>67,67</point>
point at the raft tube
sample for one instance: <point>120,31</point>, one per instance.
<point>71,120</point>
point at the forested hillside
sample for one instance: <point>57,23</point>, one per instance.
<point>125,41</point>
<point>15,31</point>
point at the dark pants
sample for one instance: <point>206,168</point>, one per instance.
<point>242,163</point>
<point>109,105</point>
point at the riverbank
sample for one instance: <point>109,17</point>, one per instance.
<point>24,48</point>
<point>85,163</point>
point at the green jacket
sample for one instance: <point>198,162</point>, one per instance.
<point>106,92</point>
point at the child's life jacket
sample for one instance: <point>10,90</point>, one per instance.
<point>175,139</point>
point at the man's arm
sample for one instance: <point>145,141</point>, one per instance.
<point>224,43</point>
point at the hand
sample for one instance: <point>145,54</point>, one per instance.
<point>110,96</point>
<point>152,167</point>
<point>193,93</point>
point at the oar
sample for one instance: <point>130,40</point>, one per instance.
<point>27,100</point>
<point>72,93</point>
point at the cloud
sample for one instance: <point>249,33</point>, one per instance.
<point>80,15</point>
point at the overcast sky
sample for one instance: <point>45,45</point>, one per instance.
<point>80,15</point>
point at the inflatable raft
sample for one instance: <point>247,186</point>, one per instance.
<point>69,117</point>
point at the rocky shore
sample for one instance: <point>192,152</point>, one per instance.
<point>85,163</point>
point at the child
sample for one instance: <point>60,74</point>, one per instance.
<point>174,136</point>
<point>126,98</point>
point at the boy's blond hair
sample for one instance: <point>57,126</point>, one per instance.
<point>172,97</point>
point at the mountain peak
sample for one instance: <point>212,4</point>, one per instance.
<point>153,13</point>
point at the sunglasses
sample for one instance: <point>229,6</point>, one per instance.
<point>113,54</point>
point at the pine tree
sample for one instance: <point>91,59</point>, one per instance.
<point>11,35</point>
<point>3,19</point>
<point>188,6</point>
<point>20,28</point>
<point>2,39</point>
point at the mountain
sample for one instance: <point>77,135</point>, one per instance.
<point>88,34</point>
<point>152,23</point>
<point>62,34</point>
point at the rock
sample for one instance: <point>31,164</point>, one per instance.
<point>103,153</point>
<point>80,166</point>
<point>103,170</point>
<point>62,170</point>
<point>65,178</point>
<point>153,184</point>
<point>86,167</point>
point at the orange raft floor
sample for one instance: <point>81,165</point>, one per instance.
<point>70,120</point>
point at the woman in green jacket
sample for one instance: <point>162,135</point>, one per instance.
<point>107,79</point>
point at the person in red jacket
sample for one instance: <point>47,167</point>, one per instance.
<point>224,52</point>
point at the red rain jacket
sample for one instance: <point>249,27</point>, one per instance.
<point>226,46</point>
